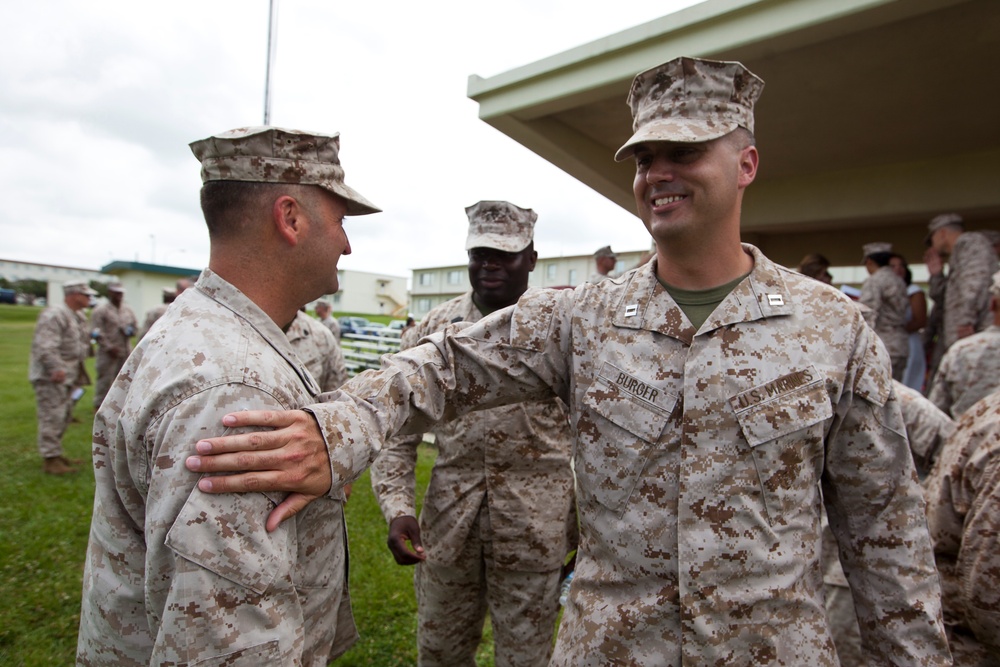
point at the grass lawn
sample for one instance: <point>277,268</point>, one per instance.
<point>45,521</point>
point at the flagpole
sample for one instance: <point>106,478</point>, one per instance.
<point>272,47</point>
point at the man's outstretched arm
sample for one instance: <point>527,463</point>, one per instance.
<point>292,457</point>
<point>316,452</point>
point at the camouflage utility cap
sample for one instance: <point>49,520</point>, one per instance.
<point>690,100</point>
<point>870,249</point>
<point>116,287</point>
<point>275,155</point>
<point>78,287</point>
<point>942,221</point>
<point>606,251</point>
<point>500,225</point>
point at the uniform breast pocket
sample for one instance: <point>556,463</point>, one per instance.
<point>623,418</point>
<point>225,534</point>
<point>785,427</point>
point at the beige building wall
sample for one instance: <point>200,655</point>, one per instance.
<point>370,294</point>
<point>433,286</point>
<point>144,283</point>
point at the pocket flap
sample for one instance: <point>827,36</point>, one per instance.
<point>785,405</point>
<point>225,534</point>
<point>640,406</point>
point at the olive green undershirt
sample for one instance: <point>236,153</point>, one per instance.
<point>699,304</point>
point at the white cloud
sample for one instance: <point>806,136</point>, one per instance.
<point>102,98</point>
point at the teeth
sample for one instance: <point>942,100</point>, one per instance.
<point>662,201</point>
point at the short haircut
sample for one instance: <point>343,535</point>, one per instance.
<point>743,137</point>
<point>227,205</point>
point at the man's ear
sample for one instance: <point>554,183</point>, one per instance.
<point>289,219</point>
<point>748,165</point>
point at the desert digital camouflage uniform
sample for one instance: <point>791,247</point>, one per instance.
<point>963,514</point>
<point>885,293</point>
<point>115,328</point>
<point>177,576</point>
<point>151,317</point>
<point>699,457</point>
<point>60,342</point>
<point>964,292</point>
<point>316,347</point>
<point>497,523</point>
<point>927,429</point>
<point>969,370</point>
<point>333,325</point>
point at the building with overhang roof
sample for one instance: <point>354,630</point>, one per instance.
<point>876,115</point>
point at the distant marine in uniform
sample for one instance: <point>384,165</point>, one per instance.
<point>605,260</point>
<point>113,324</point>
<point>970,369</point>
<point>885,293</point>
<point>59,347</point>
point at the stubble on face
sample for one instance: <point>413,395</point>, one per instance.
<point>328,238</point>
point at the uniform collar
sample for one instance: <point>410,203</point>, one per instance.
<point>228,296</point>
<point>647,305</point>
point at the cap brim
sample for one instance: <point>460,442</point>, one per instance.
<point>356,204</point>
<point>496,242</point>
<point>680,130</point>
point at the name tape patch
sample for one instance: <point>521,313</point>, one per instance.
<point>774,388</point>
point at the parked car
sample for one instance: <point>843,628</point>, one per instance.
<point>8,295</point>
<point>397,325</point>
<point>373,329</point>
<point>353,325</point>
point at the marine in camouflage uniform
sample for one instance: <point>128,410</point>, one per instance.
<point>156,313</point>
<point>324,312</point>
<point>174,575</point>
<point>114,324</point>
<point>885,293</point>
<point>315,345</point>
<point>963,514</point>
<point>58,349</point>
<point>701,446</point>
<point>970,368</point>
<point>498,518</point>
<point>605,260</point>
<point>964,292</point>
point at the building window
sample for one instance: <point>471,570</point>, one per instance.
<point>454,277</point>
<point>572,277</point>
<point>426,279</point>
<point>423,305</point>
<point>551,270</point>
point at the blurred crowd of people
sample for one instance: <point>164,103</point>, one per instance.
<point>945,363</point>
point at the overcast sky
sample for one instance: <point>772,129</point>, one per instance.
<point>100,100</point>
